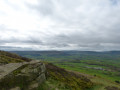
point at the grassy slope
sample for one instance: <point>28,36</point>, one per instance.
<point>61,79</point>
<point>80,68</point>
<point>6,57</point>
<point>100,80</point>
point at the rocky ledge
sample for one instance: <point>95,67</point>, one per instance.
<point>27,76</point>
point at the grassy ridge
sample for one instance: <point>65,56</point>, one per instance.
<point>68,80</point>
<point>6,57</point>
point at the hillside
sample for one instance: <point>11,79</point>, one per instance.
<point>66,80</point>
<point>6,57</point>
<point>18,74</point>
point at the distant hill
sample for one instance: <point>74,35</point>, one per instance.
<point>76,55</point>
<point>6,57</point>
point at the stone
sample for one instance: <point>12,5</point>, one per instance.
<point>24,76</point>
<point>16,88</point>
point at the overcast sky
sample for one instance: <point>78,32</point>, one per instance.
<point>60,25</point>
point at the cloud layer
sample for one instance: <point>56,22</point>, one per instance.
<point>60,25</point>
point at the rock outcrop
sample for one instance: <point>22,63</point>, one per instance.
<point>27,77</point>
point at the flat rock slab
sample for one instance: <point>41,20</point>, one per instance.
<point>8,68</point>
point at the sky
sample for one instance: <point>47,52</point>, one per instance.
<point>85,25</point>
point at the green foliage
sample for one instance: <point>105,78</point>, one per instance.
<point>52,84</point>
<point>70,79</point>
<point>43,86</point>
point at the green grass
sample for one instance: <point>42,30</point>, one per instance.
<point>53,85</point>
<point>78,67</point>
<point>101,79</point>
<point>6,57</point>
<point>69,79</point>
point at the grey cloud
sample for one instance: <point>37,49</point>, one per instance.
<point>12,48</point>
<point>93,25</point>
<point>5,29</point>
<point>114,2</point>
<point>58,45</point>
<point>45,7</point>
<point>95,13</point>
<point>17,41</point>
<point>89,41</point>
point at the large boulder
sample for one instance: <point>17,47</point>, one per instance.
<point>27,77</point>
